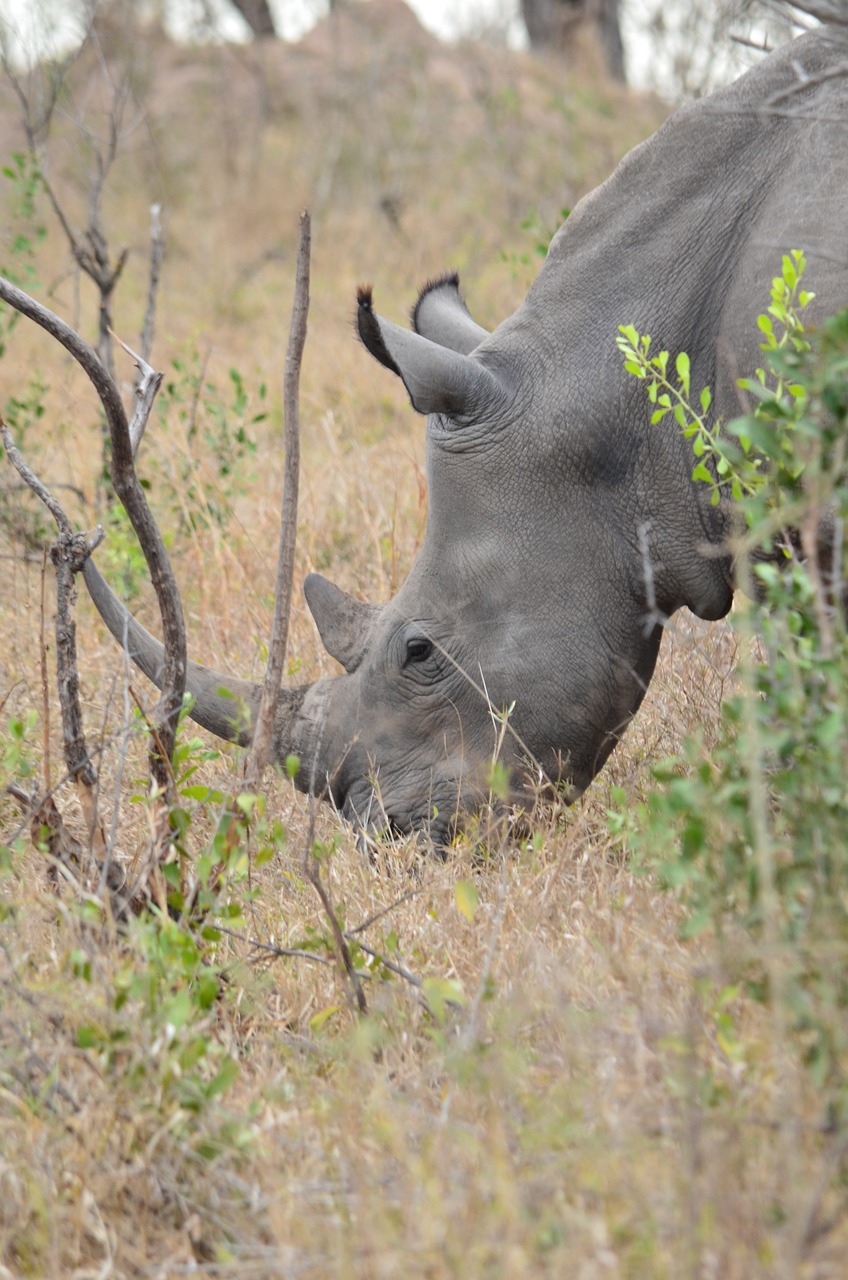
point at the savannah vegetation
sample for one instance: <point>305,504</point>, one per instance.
<point>612,1044</point>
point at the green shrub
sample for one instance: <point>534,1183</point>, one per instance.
<point>751,830</point>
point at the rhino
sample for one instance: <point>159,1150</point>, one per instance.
<point>563,529</point>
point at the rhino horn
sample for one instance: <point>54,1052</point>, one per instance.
<point>437,379</point>
<point>344,623</point>
<point>227,707</point>
<point>441,315</point>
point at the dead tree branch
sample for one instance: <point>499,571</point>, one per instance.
<point>263,734</point>
<point>131,494</point>
<point>68,554</point>
<point>157,253</point>
<point>147,386</point>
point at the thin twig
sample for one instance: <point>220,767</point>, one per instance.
<point>384,911</point>
<point>68,554</point>
<point>272,949</point>
<point>157,253</point>
<point>146,388</point>
<point>32,481</point>
<point>399,969</point>
<point>45,697</point>
<point>312,871</point>
<point>263,732</point>
<point>131,494</point>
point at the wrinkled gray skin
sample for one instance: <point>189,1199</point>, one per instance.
<point>553,502</point>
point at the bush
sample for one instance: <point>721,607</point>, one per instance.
<point>752,831</point>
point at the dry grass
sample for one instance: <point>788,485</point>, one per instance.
<point>577,1113</point>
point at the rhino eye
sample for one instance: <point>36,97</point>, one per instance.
<point>417,650</point>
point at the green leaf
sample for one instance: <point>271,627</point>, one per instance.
<point>440,993</point>
<point>764,323</point>
<point>681,364</point>
<point>498,780</point>
<point>227,1076</point>
<point>178,1011</point>
<point>467,899</point>
<point>323,1016</point>
<point>246,803</point>
<point>202,794</point>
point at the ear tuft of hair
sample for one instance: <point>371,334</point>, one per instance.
<point>447,280</point>
<point>368,327</point>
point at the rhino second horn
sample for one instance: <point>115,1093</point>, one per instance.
<point>344,623</point>
<point>438,379</point>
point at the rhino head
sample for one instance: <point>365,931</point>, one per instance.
<point>529,625</point>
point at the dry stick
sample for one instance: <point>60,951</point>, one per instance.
<point>393,965</point>
<point>312,871</point>
<point>157,253</point>
<point>146,389</point>
<point>68,554</point>
<point>131,494</point>
<point>263,733</point>
<point>45,698</point>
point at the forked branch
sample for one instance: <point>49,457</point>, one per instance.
<point>131,494</point>
<point>68,554</point>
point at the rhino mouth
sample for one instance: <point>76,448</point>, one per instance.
<point>457,802</point>
<point>375,817</point>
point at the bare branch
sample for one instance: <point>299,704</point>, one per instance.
<point>147,386</point>
<point>132,496</point>
<point>399,969</point>
<point>312,871</point>
<point>32,481</point>
<point>68,554</point>
<point>262,738</point>
<point>45,698</point>
<point>157,253</point>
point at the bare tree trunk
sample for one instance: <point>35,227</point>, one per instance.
<point>552,24</point>
<point>257,15</point>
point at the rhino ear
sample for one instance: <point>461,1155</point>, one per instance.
<point>344,623</point>
<point>441,315</point>
<point>438,379</point>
